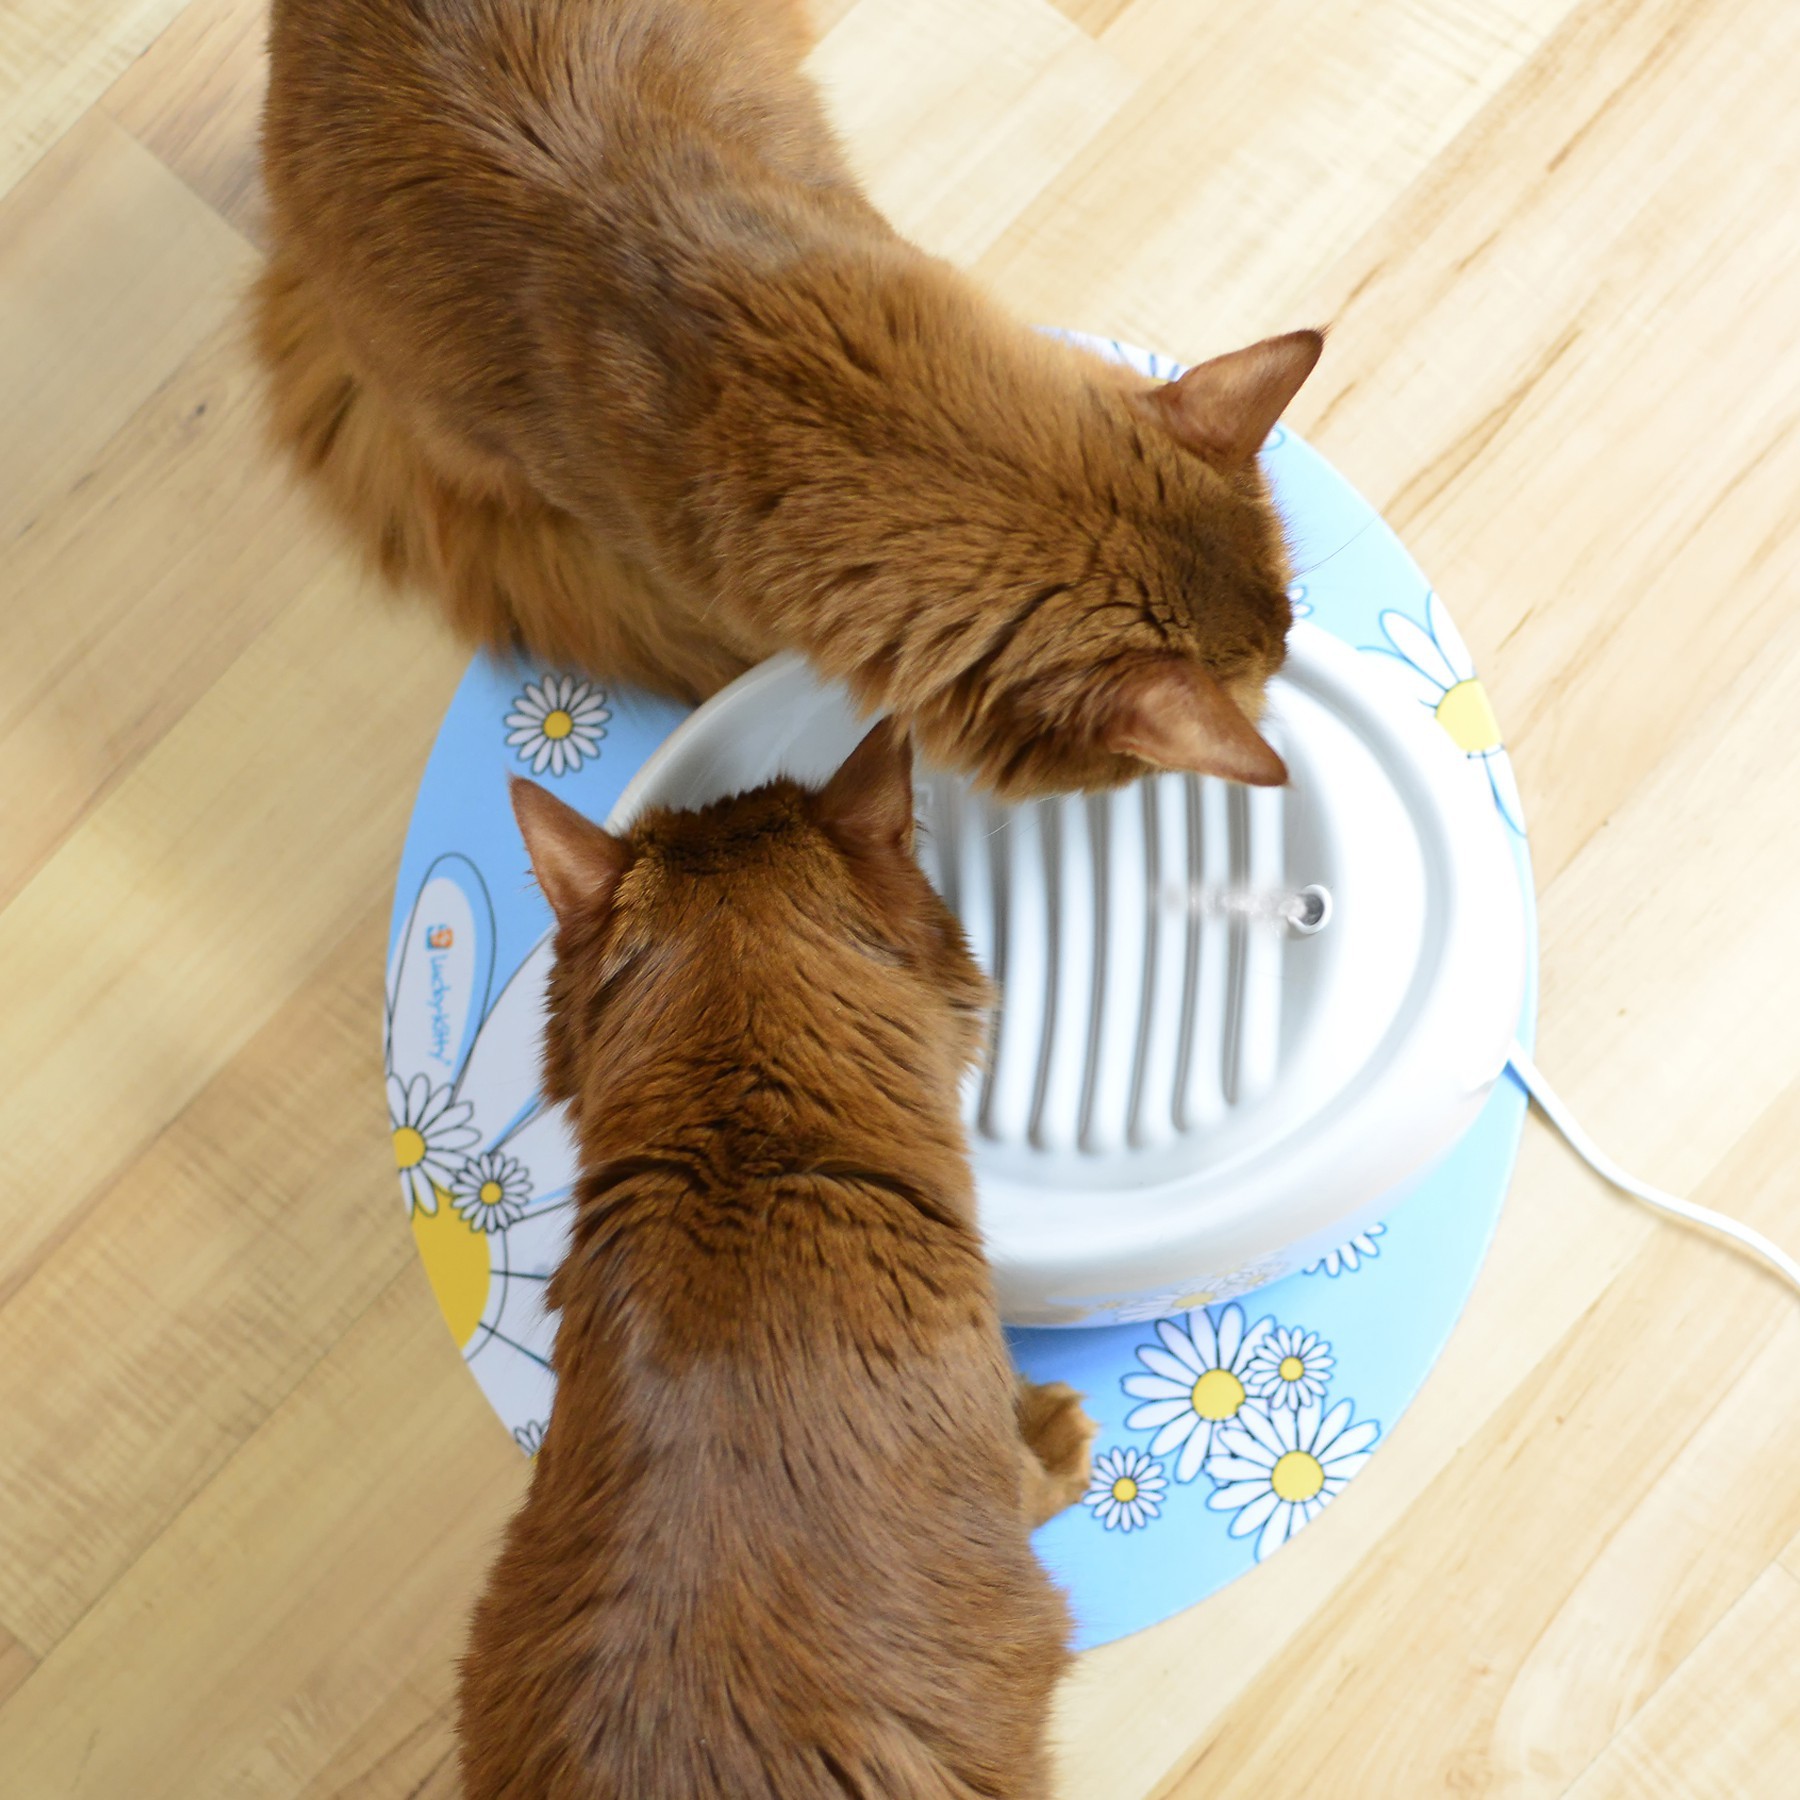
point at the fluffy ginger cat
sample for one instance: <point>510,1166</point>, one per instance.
<point>581,322</point>
<point>776,1540</point>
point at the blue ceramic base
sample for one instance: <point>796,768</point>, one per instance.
<point>1222,1431</point>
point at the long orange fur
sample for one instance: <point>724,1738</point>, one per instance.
<point>581,322</point>
<point>776,1540</point>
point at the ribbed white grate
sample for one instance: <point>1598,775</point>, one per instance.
<point>1126,1021</point>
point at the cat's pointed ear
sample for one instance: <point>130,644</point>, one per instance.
<point>1225,408</point>
<point>1173,715</point>
<point>576,863</point>
<point>868,803</point>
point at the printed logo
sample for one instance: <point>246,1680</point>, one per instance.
<point>438,939</point>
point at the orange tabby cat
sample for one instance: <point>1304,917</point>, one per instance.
<point>776,1541</point>
<point>582,322</point>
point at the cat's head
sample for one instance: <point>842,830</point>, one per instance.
<point>702,928</point>
<point>1135,621</point>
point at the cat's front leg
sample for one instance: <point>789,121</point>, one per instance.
<point>1057,1448</point>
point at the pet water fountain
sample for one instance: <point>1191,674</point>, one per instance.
<point>1244,1123</point>
<point>1235,1024</point>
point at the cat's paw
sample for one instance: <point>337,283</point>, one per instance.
<point>1059,1439</point>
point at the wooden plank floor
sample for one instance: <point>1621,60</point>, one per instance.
<point>246,1488</point>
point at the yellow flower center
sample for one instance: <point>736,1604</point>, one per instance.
<point>1124,1488</point>
<point>1190,1302</point>
<point>457,1261</point>
<point>558,724</point>
<point>409,1148</point>
<point>1218,1394</point>
<point>1467,714</point>
<point>1292,1368</point>
<point>1298,1476</point>
<point>491,1193</point>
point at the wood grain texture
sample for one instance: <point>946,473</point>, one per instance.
<point>1722,1728</point>
<point>16,1663</point>
<point>56,59</point>
<point>195,100</point>
<point>246,1488</point>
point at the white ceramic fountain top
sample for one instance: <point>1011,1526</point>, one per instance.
<point>1173,1098</point>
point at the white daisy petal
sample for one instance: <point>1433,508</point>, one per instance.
<point>450,1124</point>
<point>1325,1431</point>
<point>1231,1440</point>
<point>1448,639</point>
<point>1197,1352</point>
<point>1155,1387</point>
<point>1231,1336</point>
<point>1193,1454</point>
<point>1178,1431</point>
<point>1169,1368</point>
<point>1353,1442</point>
<point>1258,1512</point>
<point>1263,1428</point>
<point>1281,1526</point>
<point>546,1145</point>
<point>1223,1466</point>
<point>1418,647</point>
<point>500,1077</point>
<point>1506,790</point>
<point>541,758</point>
<point>1235,1494</point>
<point>1157,1413</point>
<point>1341,1468</point>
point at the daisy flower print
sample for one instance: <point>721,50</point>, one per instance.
<point>1290,1368</point>
<point>1194,1382</point>
<point>430,1135</point>
<point>1278,1471</point>
<point>556,723</point>
<point>1349,1255</point>
<point>491,1190</point>
<point>1441,673</point>
<point>1126,1490</point>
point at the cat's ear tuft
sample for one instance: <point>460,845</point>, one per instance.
<point>577,864</point>
<point>1173,715</point>
<point>1224,409</point>
<point>868,803</point>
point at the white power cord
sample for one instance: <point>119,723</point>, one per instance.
<point>1550,1104</point>
<point>1309,910</point>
